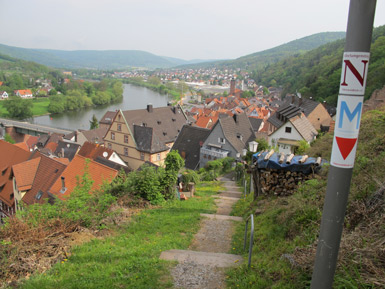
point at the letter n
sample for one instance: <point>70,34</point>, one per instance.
<point>355,72</point>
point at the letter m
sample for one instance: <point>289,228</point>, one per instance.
<point>355,72</point>
<point>351,115</point>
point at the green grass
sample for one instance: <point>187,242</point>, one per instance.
<point>39,106</point>
<point>284,224</point>
<point>130,258</point>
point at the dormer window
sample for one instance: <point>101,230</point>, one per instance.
<point>159,122</point>
<point>144,124</point>
<point>38,195</point>
<point>3,171</point>
<point>239,136</point>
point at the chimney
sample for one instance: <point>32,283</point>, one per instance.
<point>292,98</point>
<point>236,118</point>
<point>232,86</point>
<point>149,107</point>
<point>299,101</point>
<point>63,186</point>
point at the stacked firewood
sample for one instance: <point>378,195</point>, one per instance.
<point>281,182</point>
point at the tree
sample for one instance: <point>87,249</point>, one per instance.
<point>94,122</point>
<point>154,80</point>
<point>18,108</point>
<point>174,163</point>
<point>9,139</point>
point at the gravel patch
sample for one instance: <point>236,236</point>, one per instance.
<point>194,276</point>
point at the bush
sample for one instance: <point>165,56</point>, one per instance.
<point>189,176</point>
<point>148,185</point>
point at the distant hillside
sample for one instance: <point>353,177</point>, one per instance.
<point>110,59</point>
<point>10,64</point>
<point>261,59</point>
<point>317,72</point>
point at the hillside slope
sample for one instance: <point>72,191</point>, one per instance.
<point>110,59</point>
<point>263,58</point>
<point>287,227</point>
<point>317,73</point>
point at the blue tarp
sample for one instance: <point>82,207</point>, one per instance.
<point>294,166</point>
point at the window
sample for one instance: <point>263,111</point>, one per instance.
<point>126,138</point>
<point>221,140</point>
<point>38,195</point>
<point>109,146</point>
<point>142,156</point>
<point>1,187</point>
<point>158,157</point>
<point>288,129</point>
<point>126,152</point>
<point>112,135</point>
<point>119,127</point>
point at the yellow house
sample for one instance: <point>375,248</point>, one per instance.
<point>145,135</point>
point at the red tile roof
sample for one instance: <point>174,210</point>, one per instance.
<point>23,146</point>
<point>92,151</point>
<point>97,172</point>
<point>24,91</point>
<point>51,146</point>
<point>25,173</point>
<point>47,173</point>
<point>9,155</point>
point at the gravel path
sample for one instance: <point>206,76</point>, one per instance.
<point>214,236</point>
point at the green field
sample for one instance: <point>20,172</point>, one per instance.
<point>39,106</point>
<point>130,257</point>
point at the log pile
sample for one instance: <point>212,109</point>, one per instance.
<point>281,182</point>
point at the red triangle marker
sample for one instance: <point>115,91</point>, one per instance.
<point>345,145</point>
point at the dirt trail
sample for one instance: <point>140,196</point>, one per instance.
<point>202,266</point>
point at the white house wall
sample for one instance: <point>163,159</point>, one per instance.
<point>116,159</point>
<point>281,133</point>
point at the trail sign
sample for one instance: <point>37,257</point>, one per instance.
<point>354,73</point>
<point>349,111</point>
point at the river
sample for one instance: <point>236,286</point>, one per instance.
<point>134,97</point>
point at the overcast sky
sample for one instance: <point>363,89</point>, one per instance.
<point>187,29</point>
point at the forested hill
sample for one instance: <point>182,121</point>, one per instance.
<point>94,59</point>
<point>10,64</point>
<point>260,59</point>
<point>317,72</point>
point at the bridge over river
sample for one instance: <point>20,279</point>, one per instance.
<point>31,129</point>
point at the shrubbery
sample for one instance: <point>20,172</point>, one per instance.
<point>213,169</point>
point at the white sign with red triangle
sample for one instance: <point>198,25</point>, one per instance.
<point>349,110</point>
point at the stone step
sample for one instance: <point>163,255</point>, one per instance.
<point>231,194</point>
<point>231,191</point>
<point>220,260</point>
<point>226,198</point>
<point>222,217</point>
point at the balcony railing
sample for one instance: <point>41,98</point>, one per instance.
<point>214,153</point>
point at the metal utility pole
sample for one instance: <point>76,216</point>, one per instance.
<point>349,108</point>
